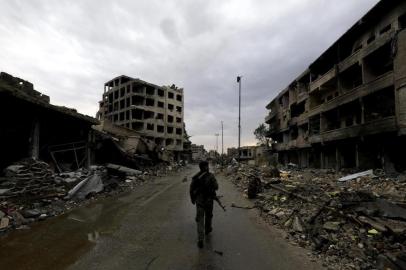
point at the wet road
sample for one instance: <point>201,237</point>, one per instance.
<point>152,228</point>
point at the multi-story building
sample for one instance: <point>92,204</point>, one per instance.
<point>156,112</point>
<point>198,152</point>
<point>348,109</point>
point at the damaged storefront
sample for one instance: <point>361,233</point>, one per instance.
<point>33,128</point>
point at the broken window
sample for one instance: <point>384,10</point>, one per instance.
<point>178,142</point>
<point>150,102</point>
<point>137,126</point>
<point>331,120</point>
<point>160,129</point>
<point>148,115</point>
<point>137,114</point>
<point>297,109</point>
<point>314,125</point>
<point>402,21</point>
<point>169,142</point>
<point>170,107</point>
<point>169,130</point>
<point>161,93</point>
<point>127,115</point>
<point>170,95</point>
<point>294,133</point>
<point>178,97</point>
<point>160,104</point>
<point>128,89</point>
<point>159,141</point>
<point>179,131</point>
<point>178,120</point>
<point>116,94</point>
<point>122,104</point>
<point>150,126</point>
<point>137,100</point>
<point>350,114</point>
<point>122,116</point>
<point>122,92</point>
<point>137,89</point>
<point>315,99</point>
<point>160,116</point>
<point>378,63</point>
<point>380,104</point>
<point>170,118</point>
<point>178,109</point>
<point>115,106</point>
<point>150,90</point>
<point>351,77</point>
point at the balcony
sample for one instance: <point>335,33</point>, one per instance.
<point>323,79</point>
<point>383,81</point>
<point>302,96</point>
<point>387,124</point>
<point>269,117</point>
<point>280,147</point>
<point>302,142</point>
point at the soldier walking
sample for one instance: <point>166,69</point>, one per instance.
<point>202,193</point>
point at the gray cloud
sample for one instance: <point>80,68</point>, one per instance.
<point>68,49</point>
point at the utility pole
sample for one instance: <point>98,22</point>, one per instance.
<point>217,142</point>
<point>222,139</point>
<point>239,115</point>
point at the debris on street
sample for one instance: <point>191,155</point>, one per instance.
<point>357,222</point>
<point>31,191</point>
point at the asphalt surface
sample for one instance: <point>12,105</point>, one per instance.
<point>153,227</point>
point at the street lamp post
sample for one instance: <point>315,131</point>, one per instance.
<point>239,115</point>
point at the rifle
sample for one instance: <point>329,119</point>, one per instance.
<point>217,199</point>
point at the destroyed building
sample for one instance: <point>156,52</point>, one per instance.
<point>348,109</point>
<point>155,112</point>
<point>198,152</point>
<point>31,127</point>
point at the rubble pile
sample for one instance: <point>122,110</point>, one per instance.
<point>355,223</point>
<point>31,191</point>
<point>29,178</point>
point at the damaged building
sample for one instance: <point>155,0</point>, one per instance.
<point>153,111</point>
<point>348,109</point>
<point>31,127</point>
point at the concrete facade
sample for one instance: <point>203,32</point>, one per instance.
<point>198,152</point>
<point>154,111</point>
<point>348,109</point>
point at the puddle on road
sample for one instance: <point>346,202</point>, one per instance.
<point>58,242</point>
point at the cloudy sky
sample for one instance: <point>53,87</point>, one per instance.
<point>68,49</point>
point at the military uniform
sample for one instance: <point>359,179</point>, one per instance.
<point>202,192</point>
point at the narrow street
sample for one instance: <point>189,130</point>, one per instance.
<point>152,227</point>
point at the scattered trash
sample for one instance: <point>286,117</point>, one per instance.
<point>356,175</point>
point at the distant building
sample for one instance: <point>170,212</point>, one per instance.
<point>198,153</point>
<point>348,109</point>
<point>154,111</point>
<point>232,152</point>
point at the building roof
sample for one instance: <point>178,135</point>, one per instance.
<point>24,90</point>
<point>142,82</point>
